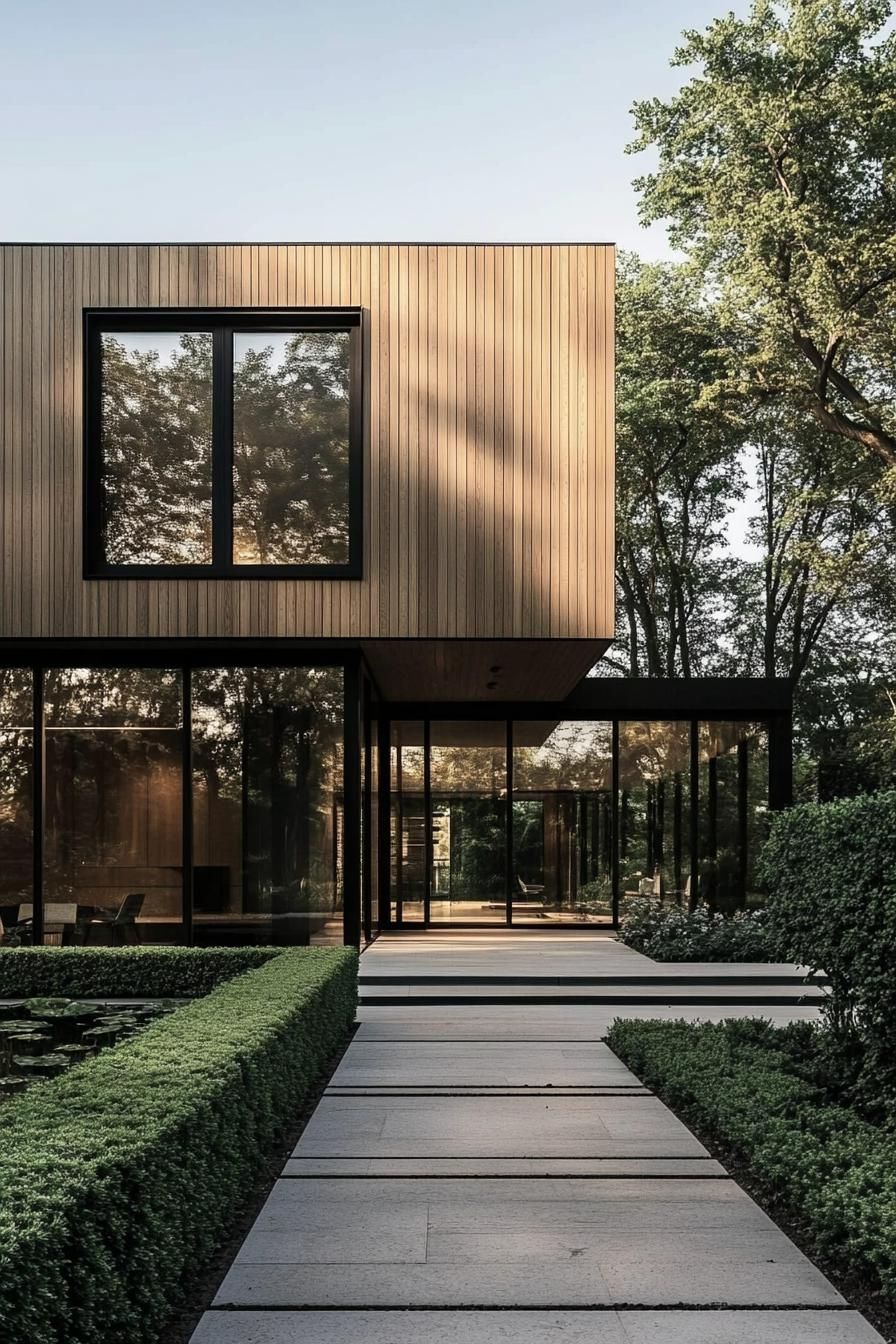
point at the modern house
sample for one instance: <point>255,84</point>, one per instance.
<point>307,552</point>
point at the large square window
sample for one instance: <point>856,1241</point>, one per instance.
<point>223,444</point>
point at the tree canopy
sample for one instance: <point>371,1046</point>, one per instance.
<point>777,177</point>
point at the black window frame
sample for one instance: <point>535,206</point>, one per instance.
<point>222,323</point>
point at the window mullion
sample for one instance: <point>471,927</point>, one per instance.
<point>222,450</point>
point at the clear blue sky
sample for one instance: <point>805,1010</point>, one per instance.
<point>283,119</point>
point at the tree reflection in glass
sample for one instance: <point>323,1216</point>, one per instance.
<point>156,480</point>
<point>290,448</point>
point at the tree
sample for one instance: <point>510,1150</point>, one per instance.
<point>677,470</point>
<point>777,175</point>
<point>816,530</point>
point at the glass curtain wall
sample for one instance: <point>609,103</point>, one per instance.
<point>267,805</point>
<point>468,765</point>
<point>733,790</point>
<point>602,813</point>
<point>251,799</point>
<point>654,810</point>
<point>113,804</point>
<point>563,821</point>
<point>407,816</point>
<point>371,832</point>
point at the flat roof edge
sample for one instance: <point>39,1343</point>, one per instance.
<point>304,242</point>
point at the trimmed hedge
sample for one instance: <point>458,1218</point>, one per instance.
<point>120,1178</point>
<point>123,972</point>
<point>738,1084</point>
<point>830,869</point>
<point>671,933</point>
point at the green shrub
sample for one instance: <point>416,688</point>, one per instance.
<point>671,933</point>
<point>830,870</point>
<point>119,1178</point>
<point>735,1081</point>
<point>123,972</point>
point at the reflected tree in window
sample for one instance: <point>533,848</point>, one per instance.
<point>15,791</point>
<point>113,747</point>
<point>291,448</point>
<point>267,780</point>
<point>156,478</point>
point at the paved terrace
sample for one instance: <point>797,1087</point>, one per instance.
<point>491,1171</point>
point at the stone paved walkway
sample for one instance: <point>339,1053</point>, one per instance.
<point>492,1176</point>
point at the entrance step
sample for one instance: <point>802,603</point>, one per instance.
<point>677,979</point>
<point>749,991</point>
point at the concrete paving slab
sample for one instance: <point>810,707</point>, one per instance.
<point>370,1063</point>
<point>601,1167</point>
<point>554,990</point>
<point>523,1126</point>
<point>738,1281</point>
<point>534,1327</point>
<point>516,1242</point>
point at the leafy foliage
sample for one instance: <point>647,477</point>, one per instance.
<point>738,1083</point>
<point>777,167</point>
<point>120,1178</point>
<point>123,972</point>
<point>677,471</point>
<point>830,870</point>
<point>671,933</point>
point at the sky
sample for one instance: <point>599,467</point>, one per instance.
<point>289,120</point>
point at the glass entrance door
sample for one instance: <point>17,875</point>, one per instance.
<point>468,782</point>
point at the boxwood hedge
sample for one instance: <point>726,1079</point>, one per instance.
<point>736,1082</point>
<point>122,972</point>
<point>830,869</point>
<point>119,1178</point>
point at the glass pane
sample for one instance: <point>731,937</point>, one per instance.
<point>267,805</point>
<point>156,478</point>
<point>469,798</point>
<point>290,447</point>
<point>757,807</point>
<point>654,811</point>
<point>16,852</point>
<point>733,811</point>
<point>113,814</point>
<point>373,832</point>
<point>562,821</point>
<point>407,822</point>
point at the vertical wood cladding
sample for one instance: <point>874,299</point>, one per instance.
<point>488,462</point>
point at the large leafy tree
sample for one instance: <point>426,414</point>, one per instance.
<point>777,176</point>
<point>678,470</point>
<point>816,532</point>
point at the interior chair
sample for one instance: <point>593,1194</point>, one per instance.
<point>122,925</point>
<point>530,888</point>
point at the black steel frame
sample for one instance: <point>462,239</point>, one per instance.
<point>614,701</point>
<point>185,656</point>
<point>222,322</point>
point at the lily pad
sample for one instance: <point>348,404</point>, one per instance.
<point>44,1007</point>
